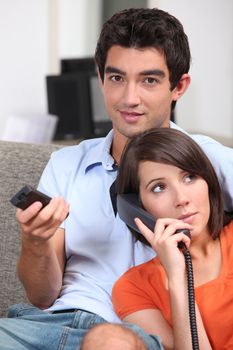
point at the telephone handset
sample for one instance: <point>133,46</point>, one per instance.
<point>129,207</point>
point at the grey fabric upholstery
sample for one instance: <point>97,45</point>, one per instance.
<point>20,164</point>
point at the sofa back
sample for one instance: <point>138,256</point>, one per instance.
<point>20,164</point>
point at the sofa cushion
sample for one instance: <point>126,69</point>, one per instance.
<point>20,164</point>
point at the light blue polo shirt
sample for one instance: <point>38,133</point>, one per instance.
<point>99,247</point>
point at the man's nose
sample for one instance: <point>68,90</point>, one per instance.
<point>131,94</point>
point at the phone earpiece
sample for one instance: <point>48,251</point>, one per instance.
<point>129,207</point>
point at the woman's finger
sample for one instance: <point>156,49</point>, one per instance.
<point>145,231</point>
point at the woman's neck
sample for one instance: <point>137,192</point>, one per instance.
<point>202,245</point>
<point>207,260</point>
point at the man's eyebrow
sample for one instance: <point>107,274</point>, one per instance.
<point>111,69</point>
<point>157,72</point>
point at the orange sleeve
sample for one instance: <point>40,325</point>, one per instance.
<point>130,295</point>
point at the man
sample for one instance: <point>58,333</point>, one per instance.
<point>68,265</point>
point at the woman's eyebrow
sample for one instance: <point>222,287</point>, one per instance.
<point>154,180</point>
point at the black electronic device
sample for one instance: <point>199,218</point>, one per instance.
<point>68,98</point>
<point>129,207</point>
<point>81,64</point>
<point>28,195</point>
<point>77,100</point>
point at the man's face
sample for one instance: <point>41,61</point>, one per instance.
<point>136,90</point>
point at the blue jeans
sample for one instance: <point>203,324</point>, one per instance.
<point>28,327</point>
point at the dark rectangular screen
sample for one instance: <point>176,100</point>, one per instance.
<point>72,65</point>
<point>77,101</point>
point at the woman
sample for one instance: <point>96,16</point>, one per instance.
<point>177,184</point>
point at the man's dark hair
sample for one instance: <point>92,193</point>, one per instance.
<point>144,28</point>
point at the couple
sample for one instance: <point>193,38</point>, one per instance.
<point>69,266</point>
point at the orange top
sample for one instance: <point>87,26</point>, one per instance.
<point>143,287</point>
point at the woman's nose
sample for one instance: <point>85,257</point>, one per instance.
<point>181,197</point>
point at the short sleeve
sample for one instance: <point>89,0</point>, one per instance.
<point>130,295</point>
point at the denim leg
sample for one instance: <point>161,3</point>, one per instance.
<point>82,323</point>
<point>151,341</point>
<point>30,328</point>
<point>33,329</point>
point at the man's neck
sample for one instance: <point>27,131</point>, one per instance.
<point>118,145</point>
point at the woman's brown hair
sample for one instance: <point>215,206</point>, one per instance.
<point>173,147</point>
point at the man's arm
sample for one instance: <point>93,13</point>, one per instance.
<point>42,260</point>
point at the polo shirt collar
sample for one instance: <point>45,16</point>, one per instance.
<point>100,154</point>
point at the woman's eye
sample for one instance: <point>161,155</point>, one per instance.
<point>190,177</point>
<point>158,188</point>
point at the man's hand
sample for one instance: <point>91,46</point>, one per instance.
<point>39,225</point>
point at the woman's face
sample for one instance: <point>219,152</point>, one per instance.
<point>170,192</point>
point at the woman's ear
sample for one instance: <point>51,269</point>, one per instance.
<point>181,87</point>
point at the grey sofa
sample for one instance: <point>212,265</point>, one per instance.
<point>20,164</point>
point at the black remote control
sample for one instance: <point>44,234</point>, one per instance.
<point>28,195</point>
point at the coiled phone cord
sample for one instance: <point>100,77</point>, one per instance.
<point>191,300</point>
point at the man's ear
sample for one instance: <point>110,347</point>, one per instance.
<point>181,87</point>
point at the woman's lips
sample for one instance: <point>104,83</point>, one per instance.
<point>188,218</point>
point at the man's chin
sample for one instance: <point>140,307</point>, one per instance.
<point>130,133</point>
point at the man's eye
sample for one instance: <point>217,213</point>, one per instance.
<point>150,81</point>
<point>116,78</point>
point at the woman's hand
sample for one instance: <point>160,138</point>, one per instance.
<point>165,242</point>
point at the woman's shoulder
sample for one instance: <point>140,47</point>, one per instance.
<point>226,238</point>
<point>227,230</point>
<point>141,274</point>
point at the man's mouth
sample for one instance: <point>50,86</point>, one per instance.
<point>130,116</point>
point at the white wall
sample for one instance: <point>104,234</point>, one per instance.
<point>23,58</point>
<point>208,105</point>
<point>34,36</point>
<point>74,26</point>
<point>79,27</point>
